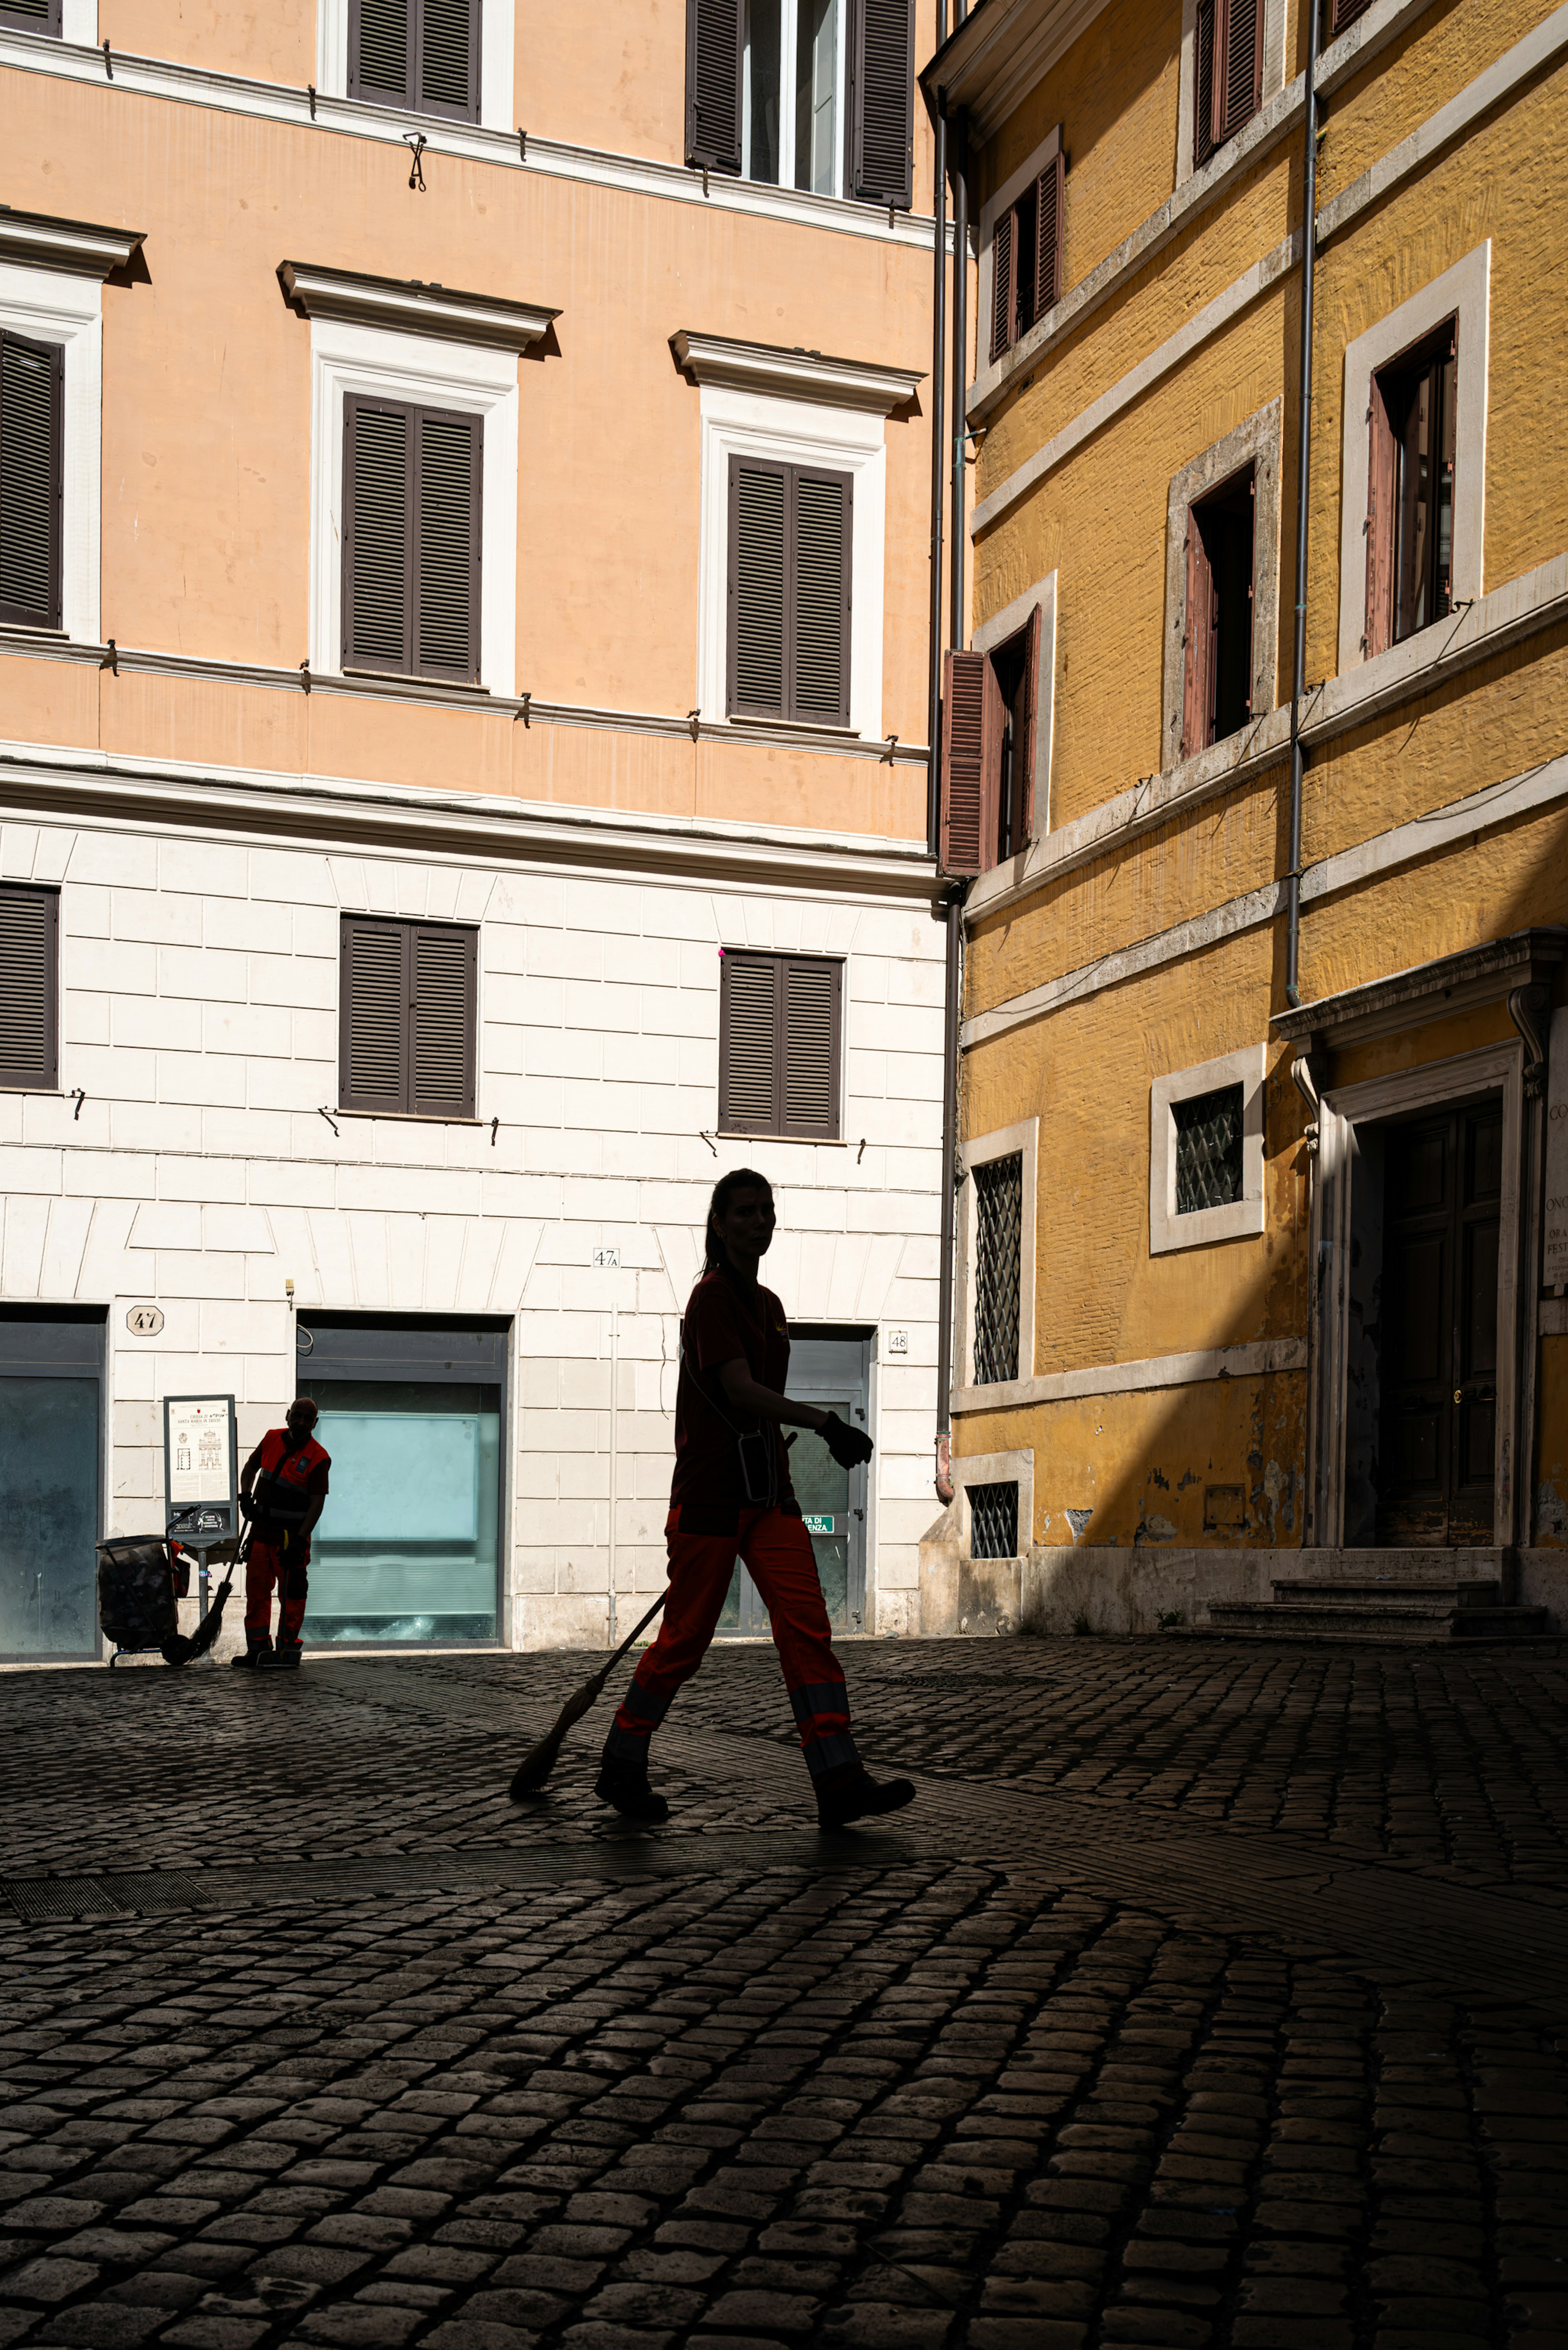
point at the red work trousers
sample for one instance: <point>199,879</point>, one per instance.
<point>283,1564</point>
<point>777,1551</point>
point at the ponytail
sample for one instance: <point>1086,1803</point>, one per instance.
<point>739,1179</point>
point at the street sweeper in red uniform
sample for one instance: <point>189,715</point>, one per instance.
<point>732,1497</point>
<point>283,1489</point>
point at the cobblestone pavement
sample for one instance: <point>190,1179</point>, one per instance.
<point>1211,1994</point>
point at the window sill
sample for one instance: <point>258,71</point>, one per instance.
<point>805,728</point>
<point>408,1117</point>
<point>395,679</point>
<point>807,1141</point>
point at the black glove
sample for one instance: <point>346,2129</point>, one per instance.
<point>849,1446</point>
<point>247,1507</point>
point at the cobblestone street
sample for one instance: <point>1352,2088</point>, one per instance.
<point>1210,1994</point>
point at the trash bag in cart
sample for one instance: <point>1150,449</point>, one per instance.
<point>138,1586</point>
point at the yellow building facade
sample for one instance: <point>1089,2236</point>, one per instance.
<point>1260,1254</point>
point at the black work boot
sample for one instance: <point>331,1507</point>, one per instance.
<point>258,1652</point>
<point>858,1797</point>
<point>285,1657</point>
<point>625,1784</point>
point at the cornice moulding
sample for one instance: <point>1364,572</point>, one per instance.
<point>84,247</point>
<point>794,374</point>
<point>1000,51</point>
<point>413,307</point>
<point>1427,990</point>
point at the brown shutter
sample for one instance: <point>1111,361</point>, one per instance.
<point>1381,474</point>
<point>372,1020</point>
<point>447,459</point>
<point>817,639</point>
<point>715,42</point>
<point>1345,12</point>
<point>31,481</point>
<point>1049,204</point>
<point>446,52</point>
<point>750,1039</point>
<point>31,16</point>
<point>882,101</point>
<point>1027,725</point>
<point>443,1014</point>
<point>378,535</point>
<point>758,580</point>
<point>1003,281</point>
<point>1203,97</point>
<point>1198,689</point>
<point>973,722</point>
<point>813,993</point>
<point>1238,58</point>
<point>29,987</point>
<point>380,46</point>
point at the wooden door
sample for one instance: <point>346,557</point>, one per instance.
<point>1438,1366</point>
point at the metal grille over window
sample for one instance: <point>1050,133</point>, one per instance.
<point>994,1521</point>
<point>998,1259</point>
<point>1208,1151</point>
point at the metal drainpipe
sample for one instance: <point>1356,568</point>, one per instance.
<point>959,154</point>
<point>939,470</point>
<point>1304,489</point>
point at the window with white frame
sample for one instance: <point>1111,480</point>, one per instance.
<point>792,93</point>
<point>1414,464</point>
<point>791,587</point>
<point>51,402</point>
<point>414,506</point>
<point>1021,238</point>
<point>1233,63</point>
<point>440,58</point>
<point>67,20</point>
<point>996,1258</point>
<point>1206,1152</point>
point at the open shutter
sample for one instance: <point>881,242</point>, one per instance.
<point>447,57</point>
<point>1197,689</point>
<point>380,46</point>
<point>715,46</point>
<point>1003,281</point>
<point>1027,723</point>
<point>372,1021</point>
<point>759,503</point>
<point>750,1039</point>
<point>443,1010</point>
<point>973,721</point>
<point>1345,12</point>
<point>448,454</point>
<point>31,476</point>
<point>29,952</point>
<point>378,535</point>
<point>882,103</point>
<point>818,634</point>
<point>813,992</point>
<point>1050,195</point>
<point>1203,66</point>
<point>1238,59</point>
<point>31,16</point>
<point>1382,475</point>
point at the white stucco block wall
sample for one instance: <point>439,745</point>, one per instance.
<point>206,1164</point>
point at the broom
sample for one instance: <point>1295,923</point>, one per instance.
<point>539,1762</point>
<point>182,1646</point>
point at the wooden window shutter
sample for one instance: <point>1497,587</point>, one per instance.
<point>31,16</point>
<point>1198,679</point>
<point>758,587</point>
<point>1003,281</point>
<point>811,989</point>
<point>882,103</point>
<point>381,41</point>
<point>1049,204</point>
<point>1381,518</point>
<point>446,57</point>
<point>32,469</point>
<point>448,458</point>
<point>716,49</point>
<point>1344,13</point>
<point>1027,724</point>
<point>972,723</point>
<point>29,987</point>
<point>819,637</point>
<point>1203,97</point>
<point>443,1020</point>
<point>1239,65</point>
<point>750,1037</point>
<point>373,1018</point>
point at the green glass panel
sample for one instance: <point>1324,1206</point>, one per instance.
<point>729,1614</point>
<point>48,1518</point>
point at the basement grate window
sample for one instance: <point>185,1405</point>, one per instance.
<point>998,1255</point>
<point>994,1521</point>
<point>1208,1151</point>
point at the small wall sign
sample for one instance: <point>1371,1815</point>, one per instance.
<point>898,1342</point>
<point>610,1257</point>
<point>818,1525</point>
<point>144,1321</point>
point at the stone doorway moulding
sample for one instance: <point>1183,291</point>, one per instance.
<point>1517,970</point>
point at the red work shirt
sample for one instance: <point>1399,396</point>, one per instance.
<point>725,1320</point>
<point>303,1466</point>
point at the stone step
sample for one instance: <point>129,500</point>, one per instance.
<point>1375,1619</point>
<point>1452,1591</point>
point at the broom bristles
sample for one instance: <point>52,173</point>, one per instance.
<point>539,1762</point>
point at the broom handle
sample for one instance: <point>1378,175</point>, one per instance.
<point>611,1662</point>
